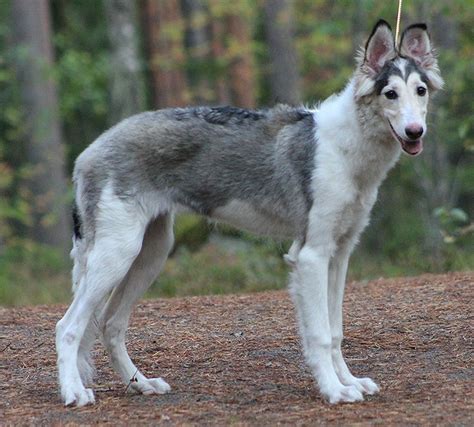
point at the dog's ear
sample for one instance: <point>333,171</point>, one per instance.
<point>415,43</point>
<point>379,49</point>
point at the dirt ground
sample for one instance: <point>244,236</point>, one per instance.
<point>236,360</point>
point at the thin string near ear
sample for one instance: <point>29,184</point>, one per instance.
<point>397,29</point>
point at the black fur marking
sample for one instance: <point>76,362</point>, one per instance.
<point>389,69</point>
<point>412,67</point>
<point>222,115</point>
<point>77,222</point>
<point>219,115</point>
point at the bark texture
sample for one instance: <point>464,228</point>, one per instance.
<point>31,33</point>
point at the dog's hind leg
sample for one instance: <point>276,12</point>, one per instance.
<point>337,279</point>
<point>157,243</point>
<point>118,239</point>
<point>79,257</point>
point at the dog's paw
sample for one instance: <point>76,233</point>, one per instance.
<point>149,386</point>
<point>343,394</point>
<point>367,385</point>
<point>364,385</point>
<point>78,396</point>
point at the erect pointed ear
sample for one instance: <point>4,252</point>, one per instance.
<point>415,43</point>
<point>380,48</point>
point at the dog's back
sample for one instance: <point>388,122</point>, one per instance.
<point>206,159</point>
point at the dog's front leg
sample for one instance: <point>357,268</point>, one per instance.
<point>337,278</point>
<point>309,289</point>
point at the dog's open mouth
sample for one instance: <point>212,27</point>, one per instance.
<point>411,147</point>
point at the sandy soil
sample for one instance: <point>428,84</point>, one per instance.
<point>236,360</point>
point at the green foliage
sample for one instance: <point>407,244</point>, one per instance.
<point>326,34</point>
<point>454,223</point>
<point>225,265</point>
<point>191,231</point>
<point>32,274</point>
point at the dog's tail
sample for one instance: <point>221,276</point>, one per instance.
<point>78,249</point>
<point>77,222</point>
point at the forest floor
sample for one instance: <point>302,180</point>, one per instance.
<point>236,360</point>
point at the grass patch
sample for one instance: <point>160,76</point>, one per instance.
<point>33,274</point>
<point>227,266</point>
<point>227,263</point>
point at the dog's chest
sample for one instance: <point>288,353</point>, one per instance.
<point>342,200</point>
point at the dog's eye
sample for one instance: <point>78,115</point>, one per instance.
<point>421,91</point>
<point>391,94</point>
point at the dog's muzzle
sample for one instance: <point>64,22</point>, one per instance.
<point>413,147</point>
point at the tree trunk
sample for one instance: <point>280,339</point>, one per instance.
<point>359,26</point>
<point>163,28</point>
<point>284,76</point>
<point>218,53</point>
<point>198,45</point>
<point>31,31</point>
<point>242,81</point>
<point>126,85</point>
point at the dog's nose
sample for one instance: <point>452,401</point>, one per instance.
<point>414,131</point>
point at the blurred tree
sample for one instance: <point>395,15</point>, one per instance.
<point>31,34</point>
<point>359,27</point>
<point>82,69</point>
<point>218,49</point>
<point>433,169</point>
<point>163,31</point>
<point>241,65</point>
<point>198,45</point>
<point>284,75</point>
<point>126,84</point>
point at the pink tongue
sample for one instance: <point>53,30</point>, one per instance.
<point>414,147</point>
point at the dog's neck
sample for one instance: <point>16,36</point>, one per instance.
<point>360,133</point>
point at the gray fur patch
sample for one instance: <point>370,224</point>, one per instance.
<point>205,157</point>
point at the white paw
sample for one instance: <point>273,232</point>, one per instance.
<point>149,386</point>
<point>364,385</point>
<point>368,386</point>
<point>78,396</point>
<point>343,394</point>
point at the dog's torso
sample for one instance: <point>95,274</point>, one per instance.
<point>251,169</point>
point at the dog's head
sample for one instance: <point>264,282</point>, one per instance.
<point>399,80</point>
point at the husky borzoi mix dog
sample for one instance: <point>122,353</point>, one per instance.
<point>308,175</point>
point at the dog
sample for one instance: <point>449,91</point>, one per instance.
<point>311,175</point>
